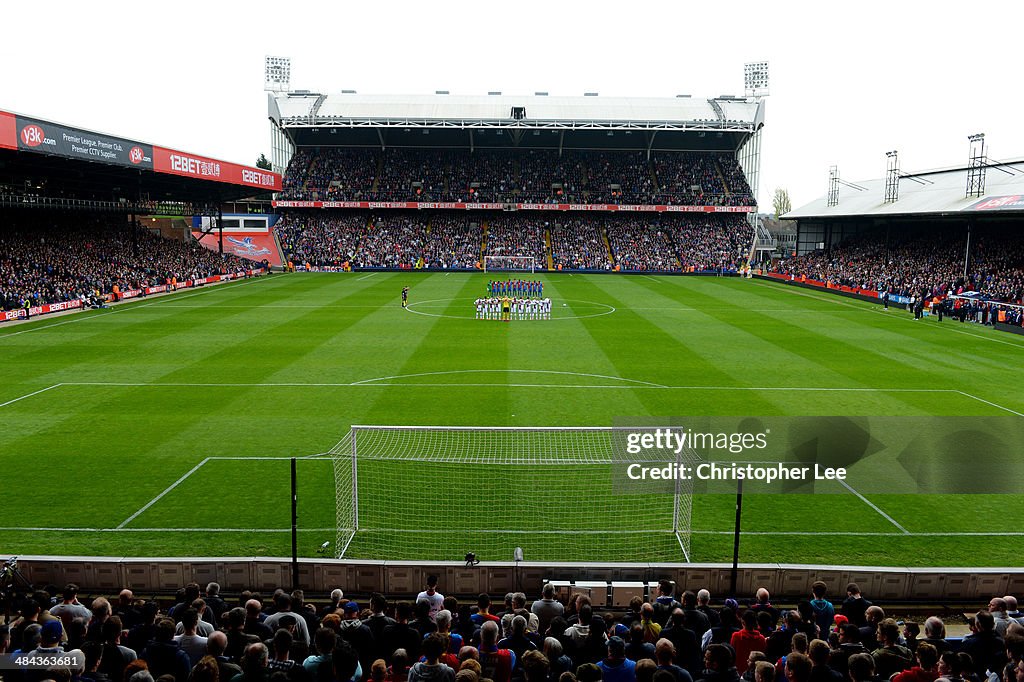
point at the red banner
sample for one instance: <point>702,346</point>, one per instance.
<point>204,168</point>
<point>652,208</point>
<point>8,131</point>
<point>43,137</point>
<point>40,310</point>
<point>822,285</point>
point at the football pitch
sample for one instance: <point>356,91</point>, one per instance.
<point>164,427</point>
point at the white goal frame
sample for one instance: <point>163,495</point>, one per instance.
<point>526,259</point>
<point>552,450</point>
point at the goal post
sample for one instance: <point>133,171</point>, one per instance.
<point>510,264</point>
<point>437,493</point>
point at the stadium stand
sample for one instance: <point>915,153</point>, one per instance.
<point>638,245</point>
<point>578,244</point>
<point>336,174</point>
<point>393,240</point>
<point>530,176</point>
<point>53,258</point>
<point>517,234</point>
<point>537,638</point>
<point>454,241</point>
<point>459,240</point>
<point>321,238</point>
<point>629,170</point>
<point>928,262</point>
<point>708,243</point>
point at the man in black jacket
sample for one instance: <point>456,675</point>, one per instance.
<point>855,605</point>
<point>849,645</point>
<point>401,635</point>
<point>987,649</point>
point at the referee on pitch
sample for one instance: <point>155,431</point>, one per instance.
<point>405,297</point>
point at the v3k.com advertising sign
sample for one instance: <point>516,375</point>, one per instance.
<point>43,137</point>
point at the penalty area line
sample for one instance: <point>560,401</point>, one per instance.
<point>156,499</point>
<point>973,397</point>
<point>29,395</point>
<point>871,504</point>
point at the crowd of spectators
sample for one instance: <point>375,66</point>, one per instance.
<point>455,239</point>
<point>392,240</point>
<point>640,244</point>
<point>320,238</point>
<point>484,176</point>
<point>920,263</point>
<point>415,175</point>
<point>712,242</point>
<point>517,234</point>
<point>735,178</point>
<point>578,244</point>
<point>333,174</point>
<point>548,177</point>
<point>695,179</point>
<point>524,176</point>
<point>629,171</point>
<point>674,637</point>
<point>50,258</point>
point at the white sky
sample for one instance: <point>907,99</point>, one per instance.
<point>849,81</point>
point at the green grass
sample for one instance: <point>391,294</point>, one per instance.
<point>132,399</point>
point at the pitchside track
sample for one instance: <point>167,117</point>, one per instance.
<point>165,427</point>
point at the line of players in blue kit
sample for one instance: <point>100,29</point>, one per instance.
<point>517,288</point>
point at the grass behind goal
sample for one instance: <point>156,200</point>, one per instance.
<point>109,415</point>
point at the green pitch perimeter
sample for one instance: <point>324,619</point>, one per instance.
<point>163,427</point>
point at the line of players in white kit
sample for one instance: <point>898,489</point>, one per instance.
<point>504,308</point>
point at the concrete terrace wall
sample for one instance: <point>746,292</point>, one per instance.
<point>110,574</point>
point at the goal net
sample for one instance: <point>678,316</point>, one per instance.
<point>437,493</point>
<point>510,263</point>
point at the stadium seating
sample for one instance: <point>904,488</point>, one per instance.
<point>929,262</point>
<point>56,259</point>
<point>321,238</point>
<point>637,245</point>
<point>528,176</point>
<point>712,242</point>
<point>393,240</point>
<point>453,242</point>
<point>518,234</point>
<point>446,239</point>
<point>578,244</point>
